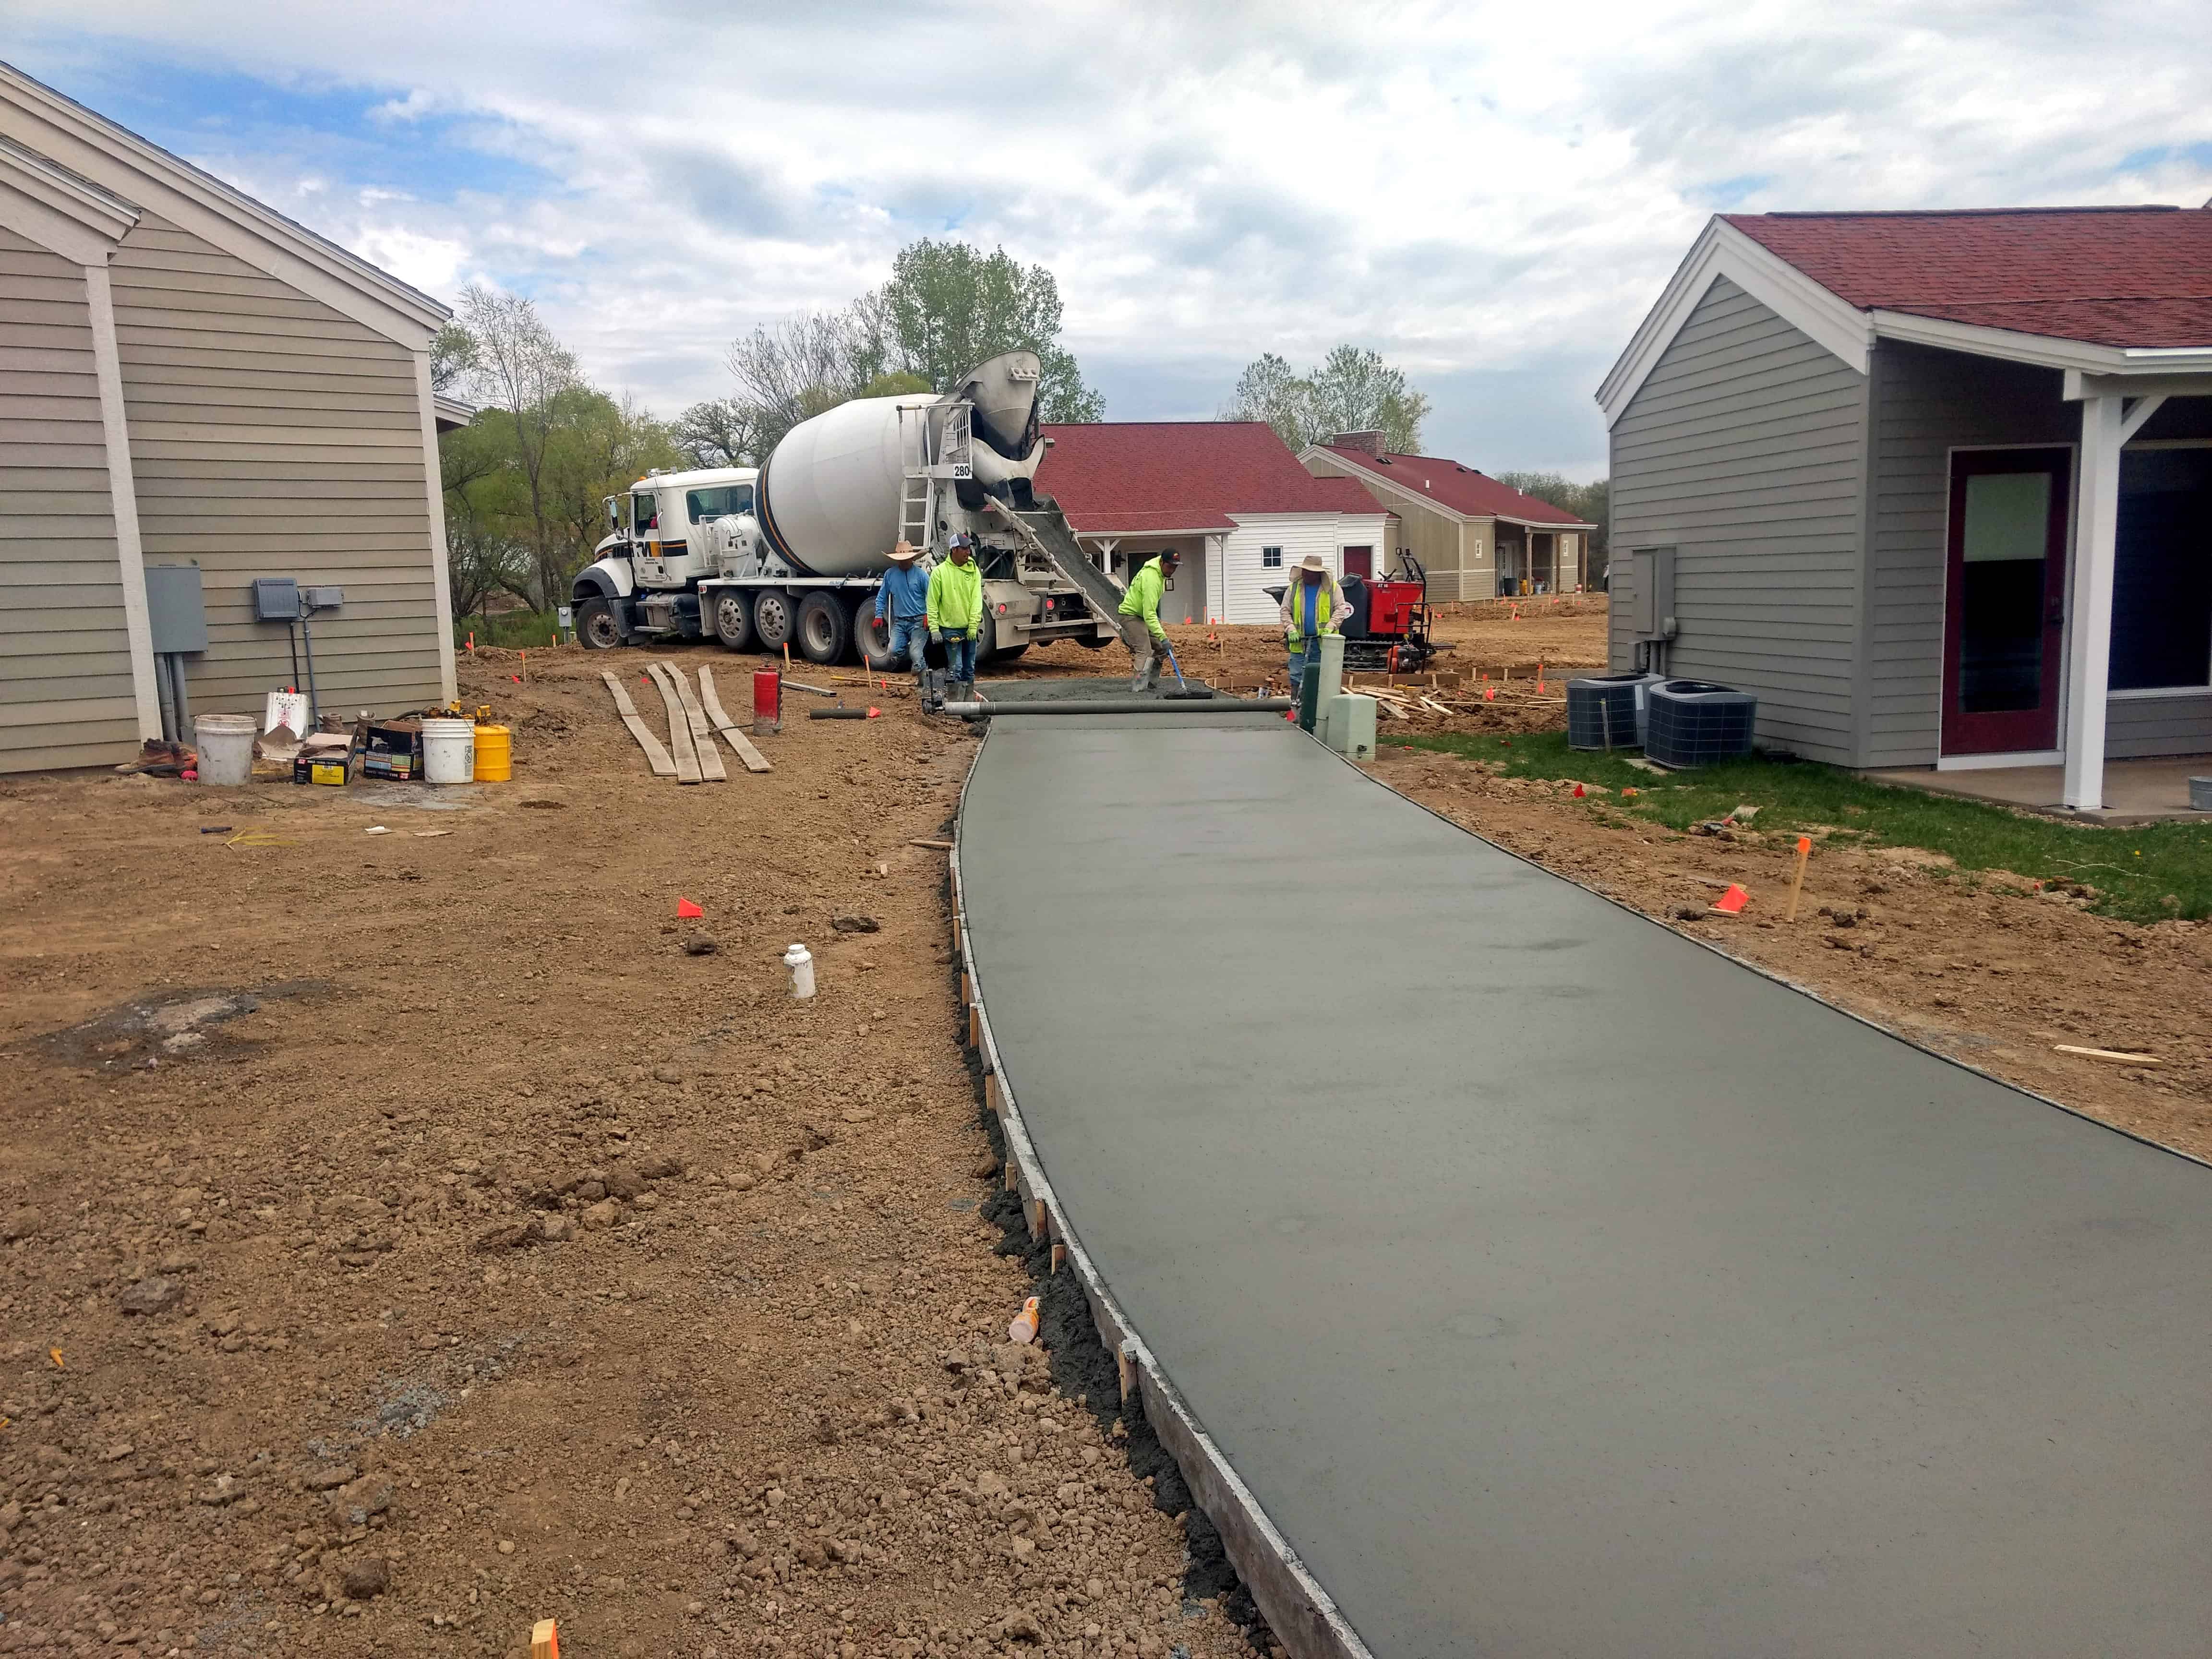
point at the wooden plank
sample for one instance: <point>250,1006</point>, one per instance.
<point>754,760</point>
<point>702,735</point>
<point>679,729</point>
<point>655,755</point>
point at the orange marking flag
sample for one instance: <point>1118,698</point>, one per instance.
<point>1732,901</point>
<point>685,909</point>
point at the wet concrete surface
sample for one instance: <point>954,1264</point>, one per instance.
<point>1558,1285</point>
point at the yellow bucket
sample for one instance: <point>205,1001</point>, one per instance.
<point>495,754</point>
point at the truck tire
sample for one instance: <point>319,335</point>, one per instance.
<point>1096,642</point>
<point>824,630</point>
<point>733,616</point>
<point>772,618</point>
<point>871,639</point>
<point>596,627</point>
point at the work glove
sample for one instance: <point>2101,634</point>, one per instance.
<point>936,636</point>
<point>1160,645</point>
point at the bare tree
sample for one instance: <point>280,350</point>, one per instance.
<point>1269,390</point>
<point>722,432</point>
<point>788,371</point>
<point>522,370</point>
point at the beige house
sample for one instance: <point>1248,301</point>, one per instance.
<point>187,377</point>
<point>1476,537</point>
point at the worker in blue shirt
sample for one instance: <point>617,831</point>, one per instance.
<point>904,599</point>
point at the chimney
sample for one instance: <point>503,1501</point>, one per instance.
<point>1368,443</point>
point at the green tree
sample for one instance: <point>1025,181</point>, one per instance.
<point>1353,389</point>
<point>719,432</point>
<point>950,307</point>
<point>521,370</point>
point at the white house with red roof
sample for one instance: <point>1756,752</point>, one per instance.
<point>1227,496</point>
<point>1937,486</point>
<point>1476,537</point>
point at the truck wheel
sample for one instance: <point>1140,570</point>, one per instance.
<point>872,638</point>
<point>825,632</point>
<point>1096,642</point>
<point>772,618</point>
<point>596,630</point>
<point>734,619</point>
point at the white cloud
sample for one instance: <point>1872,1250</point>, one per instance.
<point>1489,194</point>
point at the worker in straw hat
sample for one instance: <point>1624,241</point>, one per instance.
<point>902,601</point>
<point>1140,621</point>
<point>1313,605</point>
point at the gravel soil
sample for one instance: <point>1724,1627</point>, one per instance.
<point>404,1237</point>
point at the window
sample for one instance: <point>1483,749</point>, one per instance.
<point>2162,571</point>
<point>704,504</point>
<point>1271,558</point>
<point>644,515</point>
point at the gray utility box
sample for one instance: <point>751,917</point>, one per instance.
<point>1651,606</point>
<point>275,599</point>
<point>176,609</point>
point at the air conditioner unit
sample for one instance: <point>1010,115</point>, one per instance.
<point>1607,711</point>
<point>1693,724</point>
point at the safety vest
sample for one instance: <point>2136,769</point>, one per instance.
<point>1318,606</point>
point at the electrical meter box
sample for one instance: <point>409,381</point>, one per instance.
<point>275,599</point>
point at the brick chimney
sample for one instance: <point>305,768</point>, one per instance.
<point>1368,443</point>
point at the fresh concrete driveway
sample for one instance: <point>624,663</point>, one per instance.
<point>1558,1286</point>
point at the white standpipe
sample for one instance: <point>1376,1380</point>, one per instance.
<point>802,971</point>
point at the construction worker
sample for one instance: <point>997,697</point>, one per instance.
<point>1140,621</point>
<point>956,616</point>
<point>1313,604</point>
<point>903,601</point>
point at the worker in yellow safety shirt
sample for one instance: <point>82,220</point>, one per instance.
<point>1313,604</point>
<point>956,616</point>
<point>1140,621</point>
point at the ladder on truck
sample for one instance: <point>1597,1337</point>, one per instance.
<point>925,464</point>
<point>1046,529</point>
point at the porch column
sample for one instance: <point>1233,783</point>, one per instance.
<point>2108,421</point>
<point>2089,641</point>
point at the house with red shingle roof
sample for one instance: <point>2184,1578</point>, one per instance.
<point>1228,496</point>
<point>1937,486</point>
<point>1475,537</point>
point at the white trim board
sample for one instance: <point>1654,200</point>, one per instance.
<point>123,501</point>
<point>82,142</point>
<point>1993,762</point>
<point>1720,250</point>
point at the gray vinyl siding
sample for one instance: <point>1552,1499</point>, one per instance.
<point>2136,726</point>
<point>274,436</point>
<point>1744,450</point>
<point>66,694</point>
<point>1927,403</point>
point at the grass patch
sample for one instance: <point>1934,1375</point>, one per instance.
<point>509,629</point>
<point>2148,873</point>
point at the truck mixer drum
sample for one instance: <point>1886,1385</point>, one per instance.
<point>793,552</point>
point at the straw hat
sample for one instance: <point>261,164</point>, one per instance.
<point>903,553</point>
<point>1312,562</point>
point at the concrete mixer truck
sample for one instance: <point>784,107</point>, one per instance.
<point>790,552</point>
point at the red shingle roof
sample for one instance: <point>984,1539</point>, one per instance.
<point>1459,487</point>
<point>2138,277</point>
<point>1140,477</point>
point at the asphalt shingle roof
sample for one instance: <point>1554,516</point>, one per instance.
<point>2129,276</point>
<point>1138,477</point>
<point>1458,486</point>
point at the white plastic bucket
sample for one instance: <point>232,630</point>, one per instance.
<point>287,708</point>
<point>449,750</point>
<point>225,742</point>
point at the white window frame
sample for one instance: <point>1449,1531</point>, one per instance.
<point>1271,558</point>
<point>2155,693</point>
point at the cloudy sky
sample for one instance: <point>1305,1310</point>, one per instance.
<point>1489,195</point>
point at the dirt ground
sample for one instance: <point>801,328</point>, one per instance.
<point>405,1238</point>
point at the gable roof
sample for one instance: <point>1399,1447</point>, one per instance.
<point>2123,292</point>
<point>2129,276</point>
<point>1452,484</point>
<point>1151,477</point>
<point>82,144</point>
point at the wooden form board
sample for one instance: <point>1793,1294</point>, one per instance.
<point>680,744</point>
<point>702,735</point>
<point>655,755</point>
<point>752,757</point>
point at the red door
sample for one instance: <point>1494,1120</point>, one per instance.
<point>2004,610</point>
<point>1358,562</point>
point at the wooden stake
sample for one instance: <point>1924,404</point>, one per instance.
<point>2118,1057</point>
<point>1040,1222</point>
<point>975,1026</point>
<point>1014,1177</point>
<point>1059,1257</point>
<point>1797,881</point>
<point>991,1098</point>
<point>1125,1367</point>
<point>544,1640</point>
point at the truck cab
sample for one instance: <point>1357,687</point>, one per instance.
<point>667,533</point>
